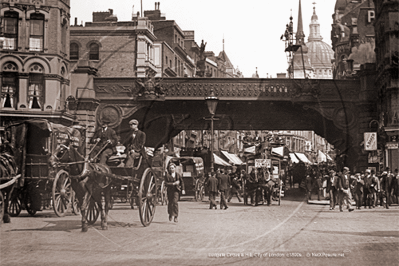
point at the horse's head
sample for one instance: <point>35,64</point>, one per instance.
<point>67,153</point>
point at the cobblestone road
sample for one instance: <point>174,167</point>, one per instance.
<point>294,233</point>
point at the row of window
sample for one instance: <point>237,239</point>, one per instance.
<point>94,53</point>
<point>11,31</point>
<point>10,90</point>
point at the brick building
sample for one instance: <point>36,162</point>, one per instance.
<point>387,83</point>
<point>352,37</point>
<point>34,64</point>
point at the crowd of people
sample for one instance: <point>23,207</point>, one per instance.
<point>368,189</point>
<point>231,182</point>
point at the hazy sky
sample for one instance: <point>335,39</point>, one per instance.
<point>251,28</point>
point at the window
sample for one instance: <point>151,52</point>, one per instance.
<point>36,32</point>
<point>166,60</point>
<point>36,87</point>
<point>94,52</point>
<point>74,51</point>
<point>10,31</point>
<point>9,86</point>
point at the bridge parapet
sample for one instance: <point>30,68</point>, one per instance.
<point>235,89</point>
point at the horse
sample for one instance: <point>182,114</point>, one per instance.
<point>8,168</point>
<point>89,180</point>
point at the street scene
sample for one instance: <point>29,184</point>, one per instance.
<point>210,133</point>
<point>240,235</point>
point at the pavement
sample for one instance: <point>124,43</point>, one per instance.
<point>294,233</point>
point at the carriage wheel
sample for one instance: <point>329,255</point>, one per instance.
<point>14,207</point>
<point>164,194</point>
<point>92,212</point>
<point>147,197</point>
<point>28,204</point>
<point>1,207</point>
<point>75,204</point>
<point>62,193</point>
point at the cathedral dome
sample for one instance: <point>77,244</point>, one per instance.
<point>320,54</point>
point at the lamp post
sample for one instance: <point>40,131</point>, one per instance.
<point>212,103</point>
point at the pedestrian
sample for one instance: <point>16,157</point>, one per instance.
<point>395,185</point>
<point>175,185</point>
<point>385,186</point>
<point>319,183</point>
<point>212,185</point>
<point>234,188</point>
<point>344,193</point>
<point>269,186</point>
<point>368,189</point>
<point>224,184</point>
<point>332,187</point>
<point>375,187</point>
<point>106,140</point>
<point>308,186</point>
<point>358,188</point>
<point>135,143</point>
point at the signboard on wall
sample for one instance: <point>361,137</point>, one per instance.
<point>370,141</point>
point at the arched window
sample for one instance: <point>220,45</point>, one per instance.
<point>36,32</point>
<point>94,52</point>
<point>9,86</point>
<point>36,87</point>
<point>74,51</point>
<point>10,30</point>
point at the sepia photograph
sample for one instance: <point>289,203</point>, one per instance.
<point>182,132</point>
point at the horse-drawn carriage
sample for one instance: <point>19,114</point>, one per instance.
<point>264,182</point>
<point>32,143</point>
<point>54,169</point>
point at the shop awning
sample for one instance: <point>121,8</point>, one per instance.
<point>250,149</point>
<point>232,158</point>
<point>278,151</point>
<point>321,157</point>
<point>294,159</point>
<point>303,157</point>
<point>220,161</point>
<point>328,157</point>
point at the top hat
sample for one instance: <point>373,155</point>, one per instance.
<point>346,169</point>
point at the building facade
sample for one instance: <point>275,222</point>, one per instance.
<point>387,81</point>
<point>34,60</point>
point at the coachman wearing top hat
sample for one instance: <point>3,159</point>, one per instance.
<point>103,135</point>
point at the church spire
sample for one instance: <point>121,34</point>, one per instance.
<point>300,36</point>
<point>314,27</point>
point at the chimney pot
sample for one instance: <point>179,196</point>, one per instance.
<point>76,21</point>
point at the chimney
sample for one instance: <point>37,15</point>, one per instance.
<point>159,3</point>
<point>156,4</point>
<point>76,21</point>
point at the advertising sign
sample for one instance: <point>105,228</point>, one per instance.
<point>392,145</point>
<point>370,141</point>
<point>259,163</point>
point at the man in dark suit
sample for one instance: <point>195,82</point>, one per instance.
<point>344,190</point>
<point>134,142</point>
<point>213,190</point>
<point>103,135</point>
<point>332,187</point>
<point>224,184</point>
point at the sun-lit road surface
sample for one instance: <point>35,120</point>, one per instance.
<point>294,233</point>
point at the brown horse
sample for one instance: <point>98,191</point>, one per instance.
<point>89,181</point>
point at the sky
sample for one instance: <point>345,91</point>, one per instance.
<point>251,29</point>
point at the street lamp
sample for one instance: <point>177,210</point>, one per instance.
<point>212,103</point>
